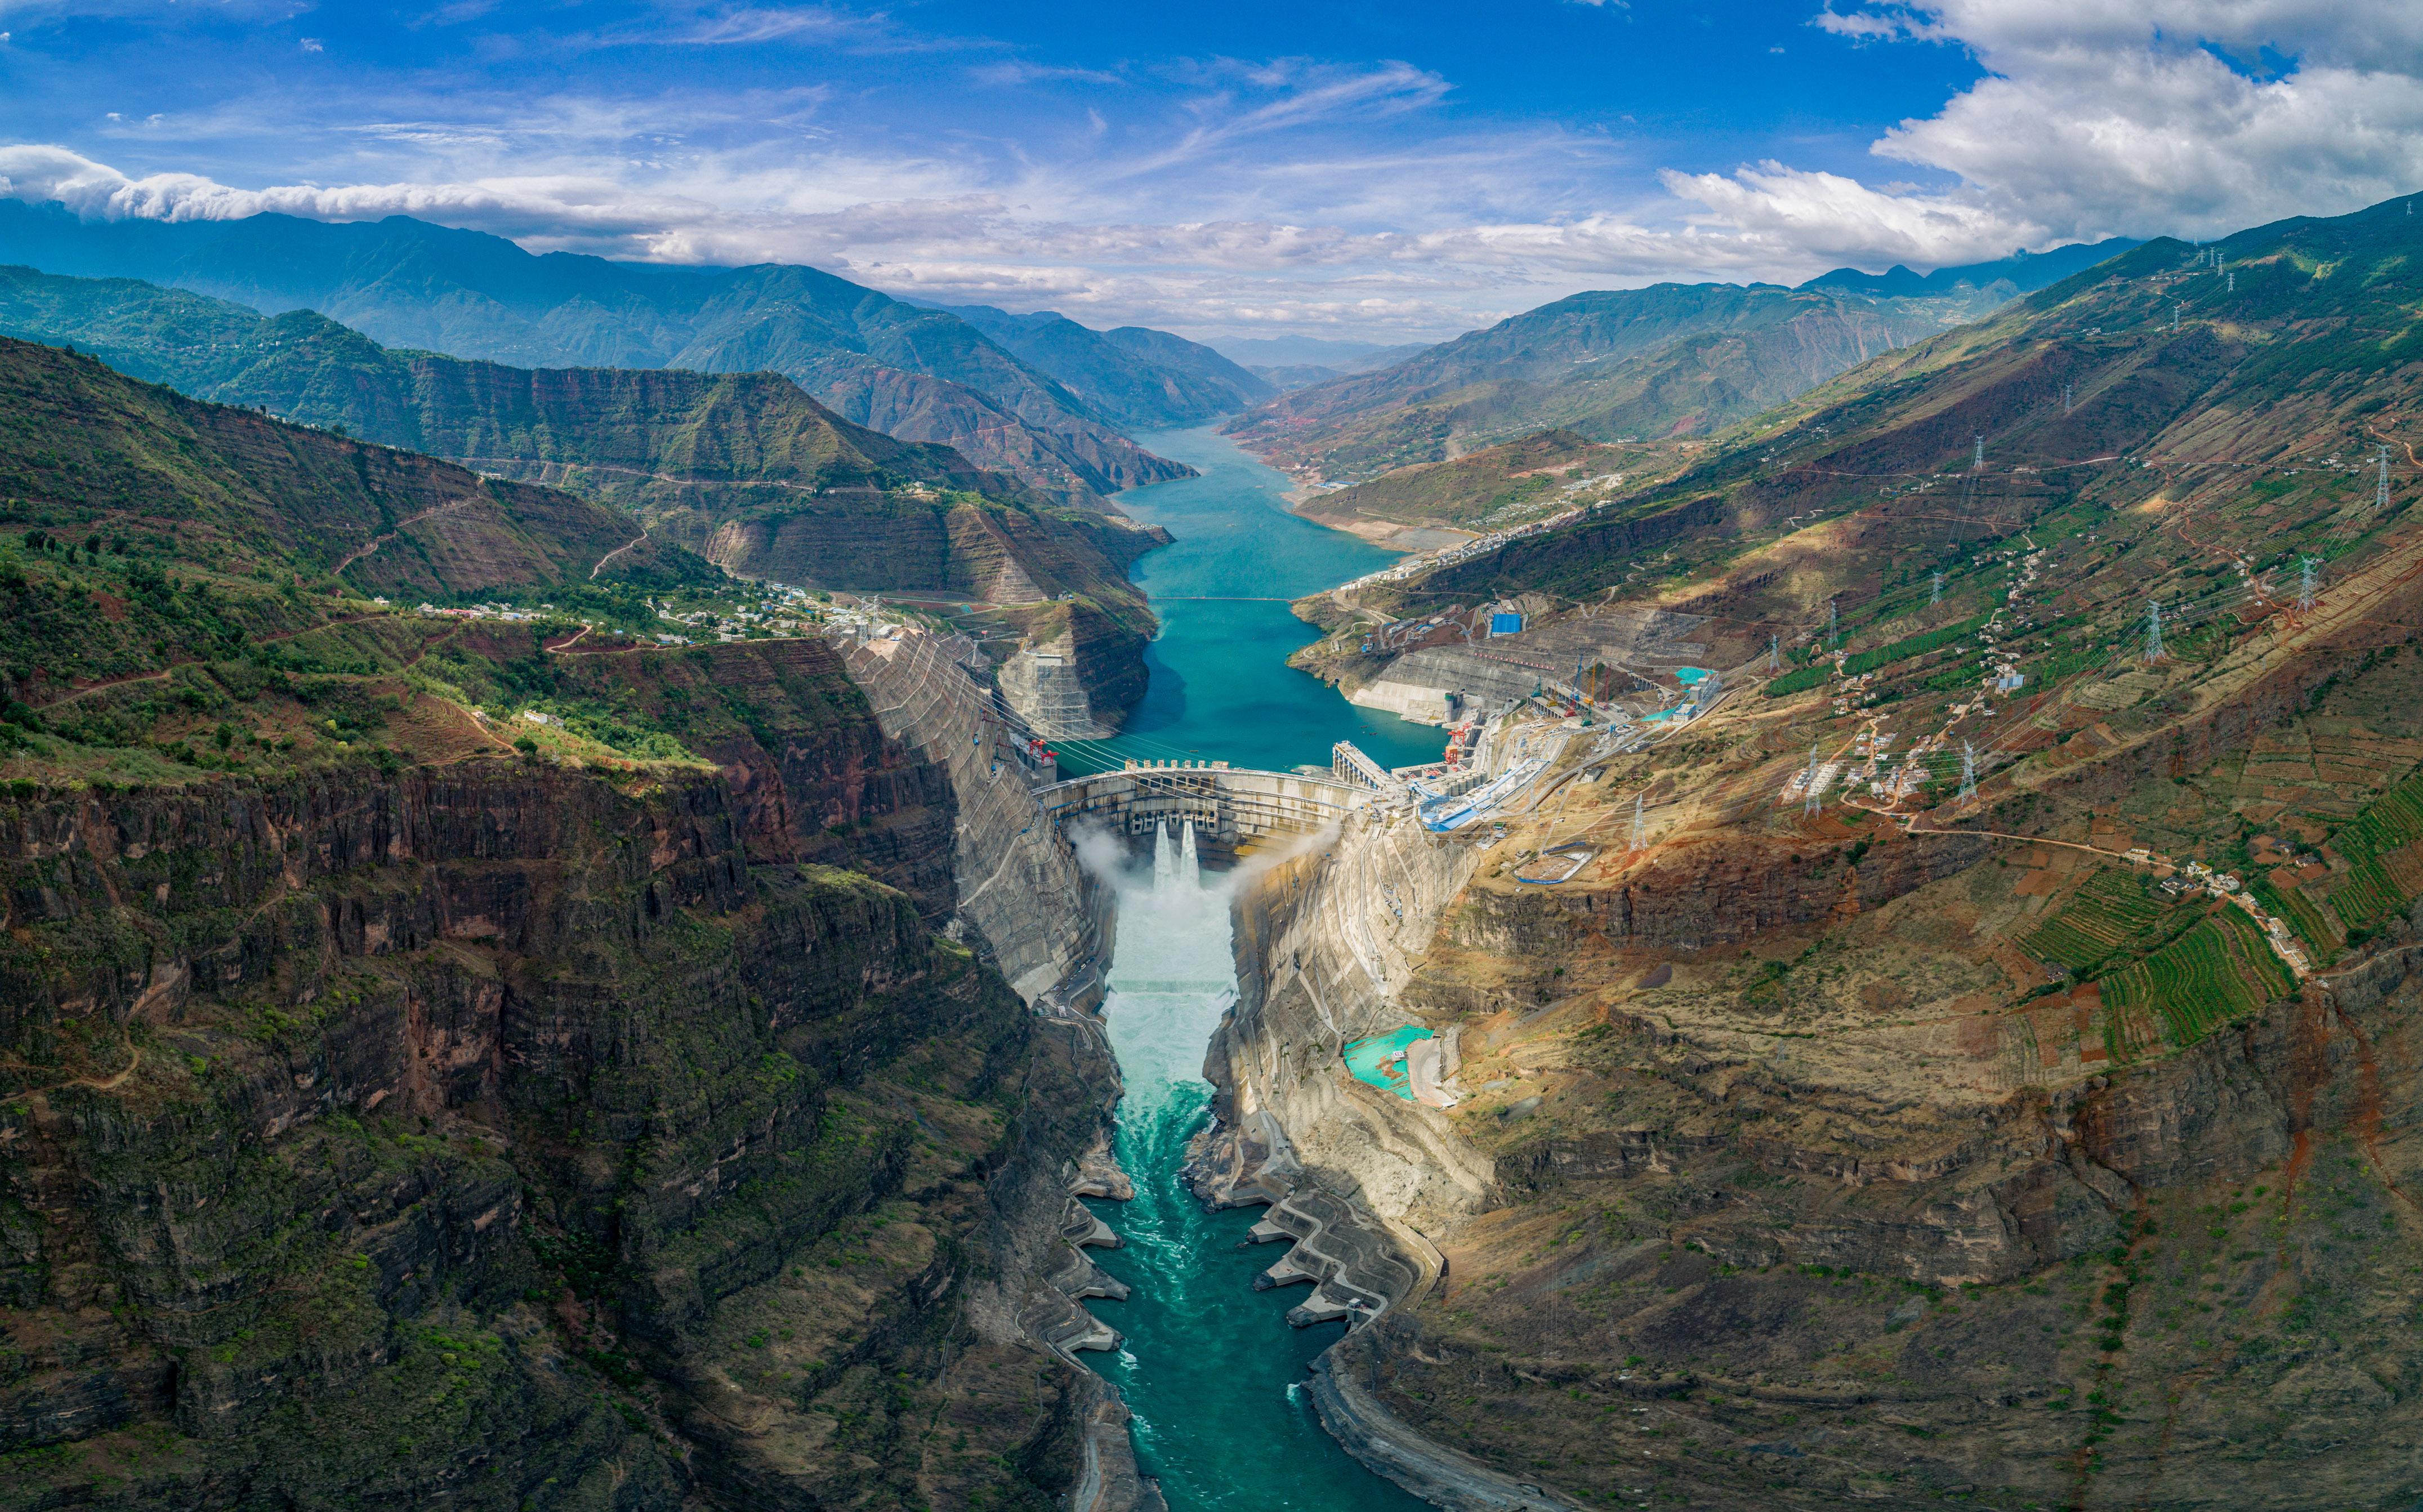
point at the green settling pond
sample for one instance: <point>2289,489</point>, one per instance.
<point>1373,1060</point>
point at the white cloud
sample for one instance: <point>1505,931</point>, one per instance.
<point>2136,117</point>
<point>312,45</point>
<point>1828,216</point>
<point>1225,194</point>
<point>765,25</point>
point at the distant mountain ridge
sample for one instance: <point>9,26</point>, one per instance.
<point>2026,272</point>
<point>1669,359</point>
<point>1131,374</point>
<point>746,470</point>
<point>2152,364</point>
<point>914,373</point>
<point>385,520</point>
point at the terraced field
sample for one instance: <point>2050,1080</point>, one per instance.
<point>2110,914</point>
<point>2386,847</point>
<point>2323,938</point>
<point>2218,971</point>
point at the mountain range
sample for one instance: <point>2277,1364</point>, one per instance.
<point>746,470</point>
<point>2153,374</point>
<point>1979,966</point>
<point>80,440</point>
<point>1131,376</point>
<point>915,373</point>
<point>1628,364</point>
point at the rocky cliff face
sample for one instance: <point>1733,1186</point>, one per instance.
<point>509,1135</point>
<point>1079,673</point>
<point>1779,1149</point>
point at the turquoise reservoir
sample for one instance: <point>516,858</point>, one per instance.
<point>1210,1368</point>
<point>1221,688</point>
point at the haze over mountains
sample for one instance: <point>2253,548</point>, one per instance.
<point>918,374</point>
<point>1668,359</point>
<point>1132,377</point>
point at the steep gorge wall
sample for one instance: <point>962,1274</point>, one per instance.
<point>508,1134</point>
<point>1326,943</point>
<point>1019,886</point>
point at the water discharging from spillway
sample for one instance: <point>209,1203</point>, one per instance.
<point>1210,1368</point>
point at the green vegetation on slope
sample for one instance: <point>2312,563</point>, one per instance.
<point>1467,490</point>
<point>901,369</point>
<point>743,468</point>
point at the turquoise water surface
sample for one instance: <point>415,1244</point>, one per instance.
<point>1221,688</point>
<point>1369,1060</point>
<point>1210,1368</point>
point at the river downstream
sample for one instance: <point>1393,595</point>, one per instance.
<point>1210,1368</point>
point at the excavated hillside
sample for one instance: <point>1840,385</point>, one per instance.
<point>478,1064</point>
<point>1968,1060</point>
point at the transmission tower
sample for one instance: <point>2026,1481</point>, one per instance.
<point>2381,495</point>
<point>1968,774</point>
<point>1810,805</point>
<point>2153,630</point>
<point>2233,283</point>
<point>1833,626</point>
<point>2305,583</point>
<point>1640,825</point>
<point>2065,397</point>
<point>1937,594</point>
<point>2175,315</point>
<point>1977,462</point>
<point>1775,653</point>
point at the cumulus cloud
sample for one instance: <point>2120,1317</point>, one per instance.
<point>2133,117</point>
<point>1827,216</point>
<point>1221,194</point>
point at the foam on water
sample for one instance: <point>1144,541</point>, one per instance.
<point>1210,1368</point>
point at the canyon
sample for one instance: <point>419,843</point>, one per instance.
<point>1904,990</point>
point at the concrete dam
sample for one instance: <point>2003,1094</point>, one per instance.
<point>1232,807</point>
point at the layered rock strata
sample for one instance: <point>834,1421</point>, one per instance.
<point>1021,889</point>
<point>509,1135</point>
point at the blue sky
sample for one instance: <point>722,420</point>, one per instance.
<point>1356,170</point>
